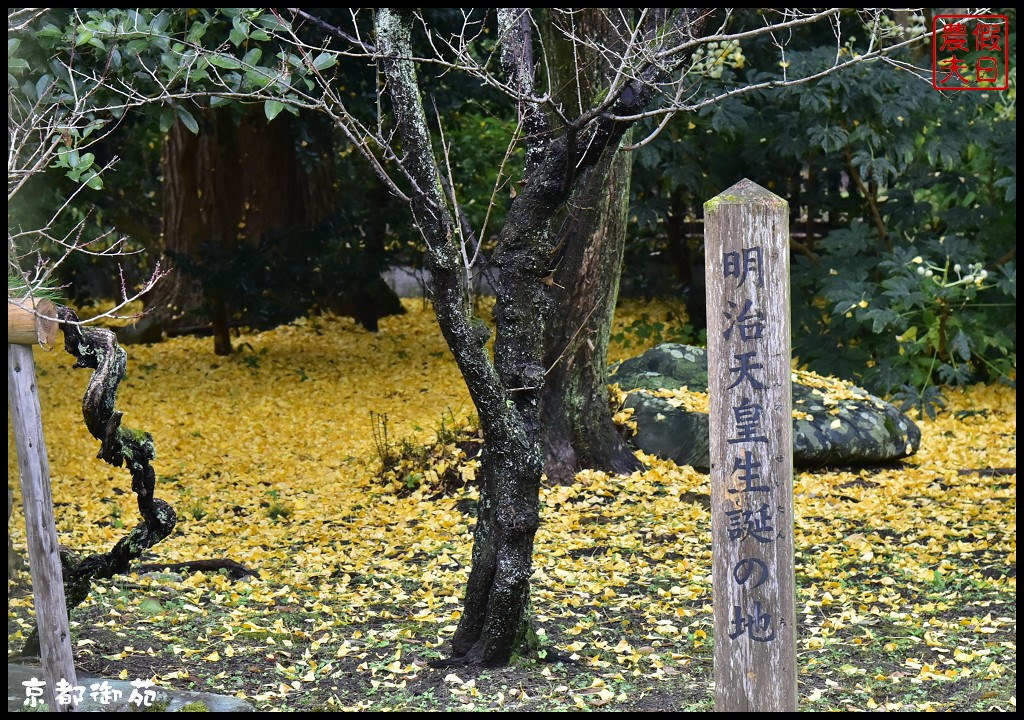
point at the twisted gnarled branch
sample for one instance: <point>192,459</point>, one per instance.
<point>97,348</point>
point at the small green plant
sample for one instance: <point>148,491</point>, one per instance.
<point>160,705</point>
<point>249,356</point>
<point>277,508</point>
<point>196,506</point>
<point>386,451</point>
<point>449,431</point>
<point>115,515</point>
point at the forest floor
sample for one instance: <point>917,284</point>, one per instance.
<point>906,575</point>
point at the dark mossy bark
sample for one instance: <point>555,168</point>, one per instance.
<point>590,235</point>
<point>507,390</point>
<point>97,348</point>
<point>504,391</point>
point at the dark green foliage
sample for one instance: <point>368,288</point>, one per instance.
<point>878,167</point>
<point>127,59</point>
<point>902,208</point>
<point>331,266</point>
<point>154,51</point>
<point>645,331</point>
<point>925,314</point>
<point>125,210</point>
<point>479,143</point>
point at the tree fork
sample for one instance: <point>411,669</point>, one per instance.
<point>590,242</point>
<point>507,390</point>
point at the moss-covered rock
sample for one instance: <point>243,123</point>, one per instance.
<point>834,422</point>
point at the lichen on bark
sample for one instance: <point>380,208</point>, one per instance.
<point>506,390</point>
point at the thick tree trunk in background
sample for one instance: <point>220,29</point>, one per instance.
<point>578,427</point>
<point>590,237</point>
<point>204,196</point>
<point>683,259</point>
<point>178,297</point>
<point>224,190</point>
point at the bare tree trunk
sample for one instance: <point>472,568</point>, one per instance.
<point>201,216</point>
<point>683,259</point>
<point>506,391</point>
<point>225,190</point>
<point>179,293</point>
<point>589,242</point>
<point>578,427</point>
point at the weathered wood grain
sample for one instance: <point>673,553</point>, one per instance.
<point>44,560</point>
<point>31,321</point>
<point>748,312</point>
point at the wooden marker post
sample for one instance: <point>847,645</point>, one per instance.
<point>31,321</point>
<point>25,329</point>
<point>746,235</point>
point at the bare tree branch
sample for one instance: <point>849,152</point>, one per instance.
<point>336,31</point>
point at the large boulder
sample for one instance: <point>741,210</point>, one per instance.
<point>834,422</point>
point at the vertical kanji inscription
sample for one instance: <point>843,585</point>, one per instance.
<point>747,273</point>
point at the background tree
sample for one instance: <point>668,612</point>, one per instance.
<point>224,188</point>
<point>590,235</point>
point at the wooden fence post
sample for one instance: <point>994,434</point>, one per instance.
<point>746,231</point>
<point>34,469</point>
